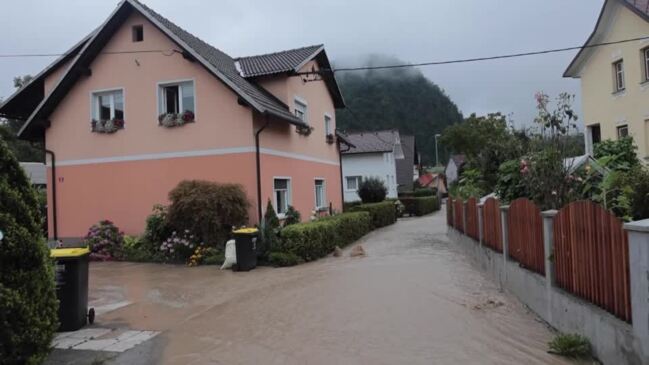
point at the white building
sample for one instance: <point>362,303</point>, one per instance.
<point>374,155</point>
<point>453,168</point>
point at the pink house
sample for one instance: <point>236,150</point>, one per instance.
<point>140,104</point>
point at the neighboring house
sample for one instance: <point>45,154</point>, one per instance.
<point>140,104</point>
<point>453,167</point>
<point>373,154</point>
<point>36,173</point>
<point>434,181</point>
<point>408,166</point>
<point>615,78</point>
<point>573,164</point>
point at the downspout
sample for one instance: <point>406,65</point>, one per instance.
<point>258,159</point>
<point>53,183</point>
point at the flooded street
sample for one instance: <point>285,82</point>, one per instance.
<point>413,300</point>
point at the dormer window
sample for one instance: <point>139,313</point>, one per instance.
<point>138,33</point>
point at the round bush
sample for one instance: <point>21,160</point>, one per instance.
<point>207,209</point>
<point>372,190</point>
<point>28,305</point>
<point>105,241</point>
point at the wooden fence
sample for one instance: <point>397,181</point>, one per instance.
<point>591,257</point>
<point>458,212</point>
<point>525,235</point>
<point>449,211</point>
<point>491,226</point>
<point>472,226</point>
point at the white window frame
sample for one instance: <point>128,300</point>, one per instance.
<point>645,62</point>
<point>618,75</point>
<point>298,101</point>
<point>94,102</point>
<point>160,98</point>
<point>327,124</point>
<point>358,179</point>
<point>620,128</point>
<point>324,193</point>
<point>289,193</point>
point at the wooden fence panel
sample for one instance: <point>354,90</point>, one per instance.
<point>525,235</point>
<point>591,256</point>
<point>491,226</point>
<point>472,228</point>
<point>458,212</point>
<point>449,211</point>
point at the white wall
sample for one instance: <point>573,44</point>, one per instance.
<point>451,172</point>
<point>381,165</point>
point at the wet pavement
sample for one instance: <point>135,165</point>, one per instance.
<point>414,299</point>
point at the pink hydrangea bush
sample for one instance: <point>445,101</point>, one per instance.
<point>179,247</point>
<point>105,241</point>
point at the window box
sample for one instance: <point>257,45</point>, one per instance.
<point>331,138</point>
<point>107,126</point>
<point>304,130</point>
<point>171,120</point>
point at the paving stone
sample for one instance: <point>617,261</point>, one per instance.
<point>90,333</point>
<point>95,345</point>
<point>67,342</point>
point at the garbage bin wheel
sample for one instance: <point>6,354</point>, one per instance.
<point>91,315</point>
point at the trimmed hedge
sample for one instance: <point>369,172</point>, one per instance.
<point>312,240</point>
<point>420,206</point>
<point>382,214</point>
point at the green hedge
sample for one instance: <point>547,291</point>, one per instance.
<point>312,240</point>
<point>382,214</point>
<point>420,206</point>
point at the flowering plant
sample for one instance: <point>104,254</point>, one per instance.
<point>171,120</point>
<point>105,241</point>
<point>179,247</point>
<point>331,138</point>
<point>107,126</point>
<point>304,130</point>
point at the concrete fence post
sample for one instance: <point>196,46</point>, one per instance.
<point>548,255</point>
<point>504,210</point>
<point>480,224</point>
<point>639,274</point>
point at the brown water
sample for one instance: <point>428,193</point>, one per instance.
<point>413,299</point>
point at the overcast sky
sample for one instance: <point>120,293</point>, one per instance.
<point>413,30</point>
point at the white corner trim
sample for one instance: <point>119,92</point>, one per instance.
<point>194,153</point>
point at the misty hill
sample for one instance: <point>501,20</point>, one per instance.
<point>396,98</point>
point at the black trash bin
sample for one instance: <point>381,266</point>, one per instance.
<point>246,243</point>
<point>71,268</point>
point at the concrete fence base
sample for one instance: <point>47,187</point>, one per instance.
<point>614,341</point>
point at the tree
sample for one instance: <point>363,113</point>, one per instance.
<point>28,305</point>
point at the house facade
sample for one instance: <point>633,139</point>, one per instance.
<point>141,104</point>
<point>371,154</point>
<point>615,78</point>
<point>453,167</point>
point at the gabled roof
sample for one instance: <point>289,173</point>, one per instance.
<point>215,61</point>
<point>278,62</point>
<point>372,142</point>
<point>639,7</point>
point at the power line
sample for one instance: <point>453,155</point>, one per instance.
<point>165,52</point>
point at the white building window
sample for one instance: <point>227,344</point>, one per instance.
<point>107,105</point>
<point>618,73</point>
<point>327,125</point>
<point>282,194</point>
<point>622,131</point>
<point>301,110</point>
<point>176,97</point>
<point>645,59</point>
<point>353,182</point>
<point>320,194</point>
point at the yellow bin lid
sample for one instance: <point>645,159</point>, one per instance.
<point>69,252</point>
<point>246,230</point>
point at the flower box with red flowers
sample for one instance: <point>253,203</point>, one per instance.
<point>107,126</point>
<point>171,120</point>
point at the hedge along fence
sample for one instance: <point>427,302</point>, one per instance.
<point>472,228</point>
<point>458,211</point>
<point>381,214</point>
<point>491,226</point>
<point>525,235</point>
<point>591,257</point>
<point>420,205</point>
<point>312,240</point>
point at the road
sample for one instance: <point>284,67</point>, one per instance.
<point>414,299</point>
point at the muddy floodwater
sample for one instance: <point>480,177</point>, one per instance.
<point>414,299</point>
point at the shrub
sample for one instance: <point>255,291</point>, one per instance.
<point>292,216</point>
<point>206,256</point>
<point>349,205</point>
<point>269,231</point>
<point>208,209</point>
<point>312,240</point>
<point>510,185</point>
<point>179,247</point>
<point>617,154</point>
<point>382,214</point>
<point>283,259</point>
<point>372,190</point>
<point>423,192</point>
<point>28,305</point>
<point>135,249</point>
<point>105,241</point>
<point>420,206</point>
<point>157,229</point>
<point>570,345</point>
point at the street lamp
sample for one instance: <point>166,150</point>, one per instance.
<point>436,150</point>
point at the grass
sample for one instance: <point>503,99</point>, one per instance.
<point>570,345</point>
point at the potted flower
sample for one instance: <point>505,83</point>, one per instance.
<point>170,120</point>
<point>107,126</point>
<point>304,130</point>
<point>331,138</point>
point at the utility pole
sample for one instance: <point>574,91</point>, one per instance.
<point>436,150</point>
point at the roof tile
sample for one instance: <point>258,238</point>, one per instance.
<point>277,62</point>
